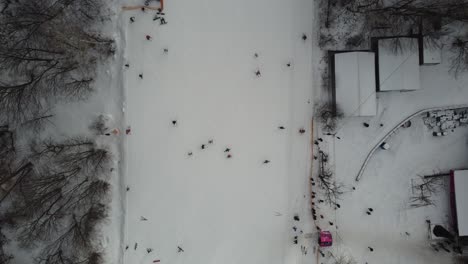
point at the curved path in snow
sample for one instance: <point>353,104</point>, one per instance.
<point>391,132</point>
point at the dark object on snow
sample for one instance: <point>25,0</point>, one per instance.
<point>281,127</point>
<point>384,146</point>
<point>190,153</point>
<point>149,250</point>
<point>338,137</point>
<point>203,146</point>
<point>256,55</point>
<point>365,124</point>
<point>371,249</point>
<point>128,189</point>
<point>179,249</point>
<point>294,228</point>
<point>229,156</point>
<point>132,19</point>
<point>304,37</point>
<point>321,253</point>
<point>135,247</point>
<point>331,223</point>
<point>302,131</point>
<point>163,21</point>
<point>406,124</point>
<point>381,125</point>
<point>370,209</point>
<point>142,218</point>
<point>126,247</point>
<point>368,213</point>
<point>316,142</point>
<point>174,122</point>
<point>148,37</point>
<point>258,73</point>
<point>407,233</point>
<point>143,9</point>
<point>321,216</point>
<point>166,50</point>
<point>296,218</point>
<point>321,201</point>
<point>315,157</point>
<point>442,246</point>
<point>127,65</point>
<point>354,188</point>
<point>320,139</point>
<point>210,141</point>
<point>266,162</point>
<point>156,17</point>
<point>440,231</point>
<point>140,75</point>
<point>147,2</point>
<point>227,150</point>
<point>288,64</point>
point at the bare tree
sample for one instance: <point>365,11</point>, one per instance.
<point>37,122</point>
<point>69,248</point>
<point>332,190</point>
<point>58,194</point>
<point>342,259</point>
<point>328,115</point>
<point>424,190</point>
<point>100,125</point>
<point>4,257</point>
<point>459,61</point>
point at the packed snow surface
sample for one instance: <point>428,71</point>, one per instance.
<point>201,70</point>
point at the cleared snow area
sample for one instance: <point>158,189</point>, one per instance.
<point>218,209</point>
<point>385,185</point>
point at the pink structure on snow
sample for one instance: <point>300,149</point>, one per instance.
<point>325,239</point>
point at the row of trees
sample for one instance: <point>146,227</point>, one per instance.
<point>56,196</point>
<point>48,51</point>
<point>432,19</point>
<point>53,193</point>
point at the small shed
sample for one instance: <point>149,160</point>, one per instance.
<point>398,63</point>
<point>459,190</point>
<point>354,83</point>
